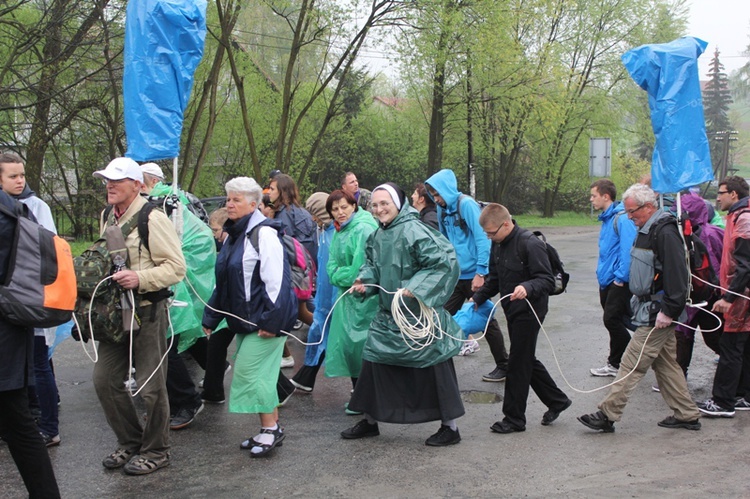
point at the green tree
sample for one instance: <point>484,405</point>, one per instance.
<point>716,100</point>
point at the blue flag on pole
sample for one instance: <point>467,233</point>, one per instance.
<point>669,73</point>
<point>163,46</point>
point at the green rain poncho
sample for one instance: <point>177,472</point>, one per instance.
<point>351,316</point>
<point>199,249</point>
<point>408,254</point>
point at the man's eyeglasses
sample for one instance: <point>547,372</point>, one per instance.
<point>492,234</point>
<point>719,193</point>
<point>630,212</point>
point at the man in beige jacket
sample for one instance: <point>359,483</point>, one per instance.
<point>151,269</point>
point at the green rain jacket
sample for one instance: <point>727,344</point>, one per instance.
<point>408,254</point>
<point>351,317</point>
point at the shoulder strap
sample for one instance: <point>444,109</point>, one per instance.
<point>143,215</point>
<point>253,235</point>
<point>527,235</point>
<point>614,222</point>
<point>657,228</point>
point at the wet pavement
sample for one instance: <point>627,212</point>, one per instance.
<point>565,459</point>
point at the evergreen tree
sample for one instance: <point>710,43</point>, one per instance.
<point>716,100</point>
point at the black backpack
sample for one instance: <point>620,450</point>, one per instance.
<point>558,271</point>
<point>700,264</point>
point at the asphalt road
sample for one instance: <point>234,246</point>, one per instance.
<point>564,459</point>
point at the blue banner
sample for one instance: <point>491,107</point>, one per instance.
<point>163,46</point>
<point>668,72</point>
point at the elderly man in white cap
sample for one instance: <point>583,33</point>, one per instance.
<point>152,175</point>
<point>149,273</point>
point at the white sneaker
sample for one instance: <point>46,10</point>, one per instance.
<point>606,370</point>
<point>469,348</point>
<point>287,362</point>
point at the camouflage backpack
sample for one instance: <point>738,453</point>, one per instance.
<point>95,264</point>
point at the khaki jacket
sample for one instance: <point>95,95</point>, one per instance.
<point>164,264</point>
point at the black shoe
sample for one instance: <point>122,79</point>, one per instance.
<point>673,422</point>
<point>498,374</point>
<point>598,421</point>
<point>505,427</point>
<point>212,399</point>
<point>551,415</point>
<point>362,429</point>
<point>444,436</point>
<point>184,417</point>
<point>50,440</point>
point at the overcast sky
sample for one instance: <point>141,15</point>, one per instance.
<point>724,24</point>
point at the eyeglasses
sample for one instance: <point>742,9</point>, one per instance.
<point>492,234</point>
<point>377,206</point>
<point>719,193</point>
<point>630,212</point>
<point>106,181</point>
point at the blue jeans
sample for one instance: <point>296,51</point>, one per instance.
<point>46,388</point>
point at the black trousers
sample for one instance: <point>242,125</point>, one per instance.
<point>494,336</point>
<point>686,340</point>
<point>216,362</point>
<point>525,370</point>
<point>615,301</point>
<point>19,431</point>
<point>730,379</point>
<point>180,386</point>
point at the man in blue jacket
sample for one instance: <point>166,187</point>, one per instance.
<point>613,270</point>
<point>458,217</point>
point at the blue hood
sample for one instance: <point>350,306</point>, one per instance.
<point>445,183</point>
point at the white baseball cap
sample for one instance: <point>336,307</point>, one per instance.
<point>121,168</point>
<point>153,169</point>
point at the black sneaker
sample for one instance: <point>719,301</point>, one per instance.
<point>674,423</point>
<point>551,415</point>
<point>50,440</point>
<point>444,436</point>
<point>213,398</point>
<point>362,429</point>
<point>497,375</point>
<point>597,421</point>
<point>184,417</point>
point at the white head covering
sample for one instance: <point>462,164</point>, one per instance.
<point>153,169</point>
<point>391,192</point>
<point>121,168</point>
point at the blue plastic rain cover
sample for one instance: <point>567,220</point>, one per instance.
<point>669,73</point>
<point>163,46</point>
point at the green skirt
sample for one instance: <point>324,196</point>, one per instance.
<point>256,371</point>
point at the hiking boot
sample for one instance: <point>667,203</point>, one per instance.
<point>551,415</point>
<point>606,370</point>
<point>469,347</point>
<point>497,375</point>
<point>713,410</point>
<point>50,440</point>
<point>741,404</point>
<point>363,429</point>
<point>598,421</point>
<point>184,417</point>
<point>444,436</point>
<point>674,423</point>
